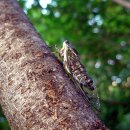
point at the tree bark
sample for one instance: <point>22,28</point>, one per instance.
<point>35,92</point>
<point>123,3</point>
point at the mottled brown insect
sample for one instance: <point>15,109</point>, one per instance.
<point>78,73</point>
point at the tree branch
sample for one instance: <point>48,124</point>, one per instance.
<point>123,3</point>
<point>35,92</point>
<point>116,103</point>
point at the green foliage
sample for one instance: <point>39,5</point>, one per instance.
<point>99,29</point>
<point>3,122</point>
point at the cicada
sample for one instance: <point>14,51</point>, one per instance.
<point>77,71</point>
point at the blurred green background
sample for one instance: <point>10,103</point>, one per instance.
<point>100,31</point>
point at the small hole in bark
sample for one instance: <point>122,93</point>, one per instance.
<point>49,71</point>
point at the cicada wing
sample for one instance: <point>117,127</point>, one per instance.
<point>81,91</point>
<point>89,97</point>
<point>93,97</point>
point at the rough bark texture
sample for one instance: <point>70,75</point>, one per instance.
<point>35,92</point>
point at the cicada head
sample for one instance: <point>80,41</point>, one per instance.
<point>67,44</point>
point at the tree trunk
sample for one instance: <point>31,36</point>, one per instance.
<point>35,92</point>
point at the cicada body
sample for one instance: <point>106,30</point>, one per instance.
<point>78,73</point>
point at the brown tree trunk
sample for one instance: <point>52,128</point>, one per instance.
<point>35,92</point>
